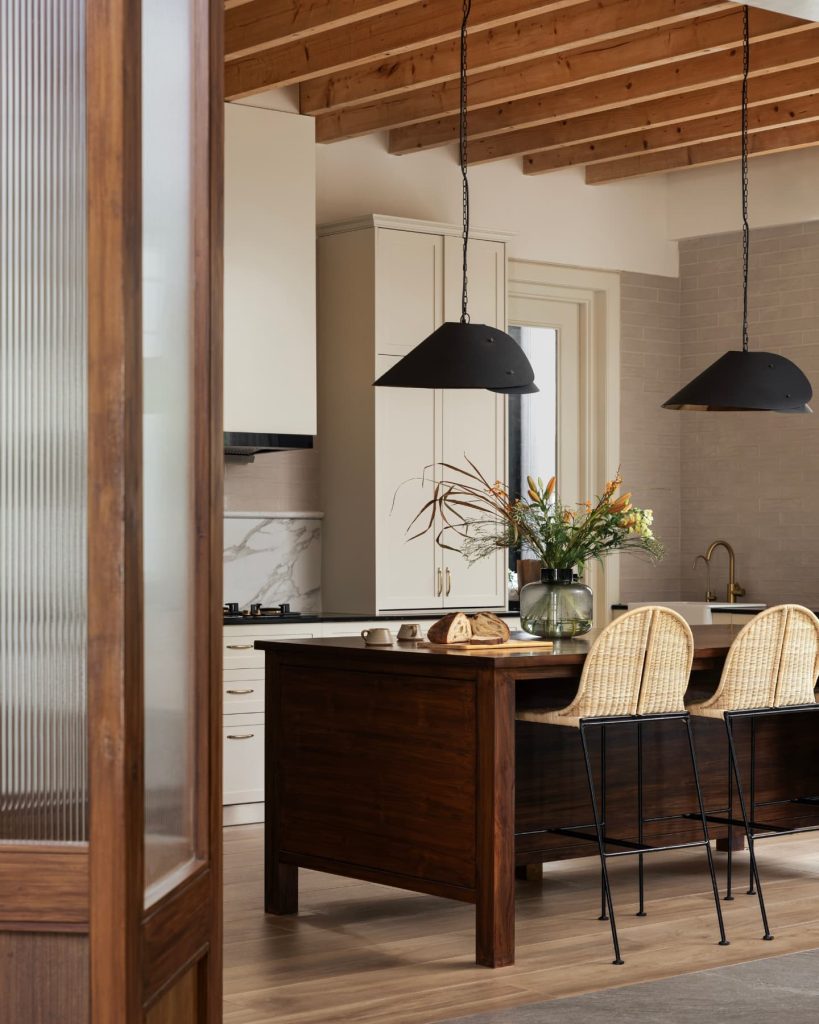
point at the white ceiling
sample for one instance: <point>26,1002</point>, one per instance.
<point>807,9</point>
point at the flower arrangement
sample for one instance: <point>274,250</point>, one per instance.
<point>478,518</point>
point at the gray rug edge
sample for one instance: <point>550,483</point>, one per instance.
<point>736,992</point>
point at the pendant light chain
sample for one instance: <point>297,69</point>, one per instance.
<point>463,161</point>
<point>746,239</point>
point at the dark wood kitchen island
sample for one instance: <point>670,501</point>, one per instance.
<point>404,766</point>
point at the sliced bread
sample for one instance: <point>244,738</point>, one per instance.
<point>485,624</point>
<point>451,629</point>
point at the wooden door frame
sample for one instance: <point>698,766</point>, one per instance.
<point>136,955</point>
<point>597,295</point>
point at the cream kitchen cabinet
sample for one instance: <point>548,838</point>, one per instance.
<point>270,272</point>
<point>384,285</point>
<point>244,719</point>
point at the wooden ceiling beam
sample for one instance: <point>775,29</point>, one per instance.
<point>670,110</point>
<point>386,37</point>
<point>671,136</point>
<point>593,22</point>
<point>774,140</point>
<point>258,24</point>
<point>797,48</point>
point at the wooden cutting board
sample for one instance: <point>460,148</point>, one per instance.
<point>509,645</point>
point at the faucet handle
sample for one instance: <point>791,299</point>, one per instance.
<point>710,596</point>
<point>737,590</point>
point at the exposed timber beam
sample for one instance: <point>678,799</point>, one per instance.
<point>386,37</point>
<point>671,136</point>
<point>670,110</point>
<point>258,24</point>
<point>799,47</point>
<point>593,23</point>
<point>775,140</point>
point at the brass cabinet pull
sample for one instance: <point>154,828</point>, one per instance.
<point>440,583</point>
<point>240,693</point>
<point>240,647</point>
<point>242,736</point>
<point>448,582</point>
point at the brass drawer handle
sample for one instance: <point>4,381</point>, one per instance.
<point>243,736</point>
<point>440,583</point>
<point>240,647</point>
<point>240,693</point>
<point>448,582</point>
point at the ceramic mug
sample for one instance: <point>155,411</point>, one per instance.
<point>376,637</point>
<point>410,631</point>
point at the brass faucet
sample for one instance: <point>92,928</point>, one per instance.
<point>709,593</point>
<point>734,590</point>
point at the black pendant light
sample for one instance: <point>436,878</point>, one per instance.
<point>740,380</point>
<point>464,355</point>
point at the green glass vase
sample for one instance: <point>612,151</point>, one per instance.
<point>556,608</point>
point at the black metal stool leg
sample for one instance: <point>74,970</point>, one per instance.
<point>748,829</point>
<point>723,941</point>
<point>603,907</point>
<point>729,873</point>
<point>751,890</point>
<point>600,845</point>
<point>640,831</point>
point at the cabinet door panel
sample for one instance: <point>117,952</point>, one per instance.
<point>474,422</point>
<point>409,296</point>
<point>474,426</point>
<point>406,436</point>
<point>243,764</point>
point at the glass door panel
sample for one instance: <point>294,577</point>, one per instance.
<point>43,423</point>
<point>168,436</point>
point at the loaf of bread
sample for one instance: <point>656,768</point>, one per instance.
<point>451,629</point>
<point>487,625</point>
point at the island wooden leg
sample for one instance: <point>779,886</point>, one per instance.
<point>281,881</point>
<point>495,918</point>
<point>281,888</point>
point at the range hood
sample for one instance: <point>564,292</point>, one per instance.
<point>245,446</point>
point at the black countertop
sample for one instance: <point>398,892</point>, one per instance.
<point>293,620</point>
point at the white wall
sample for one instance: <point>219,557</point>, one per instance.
<point>553,217</point>
<point>706,201</point>
<point>632,225</point>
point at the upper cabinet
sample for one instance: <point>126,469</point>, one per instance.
<point>384,284</point>
<point>270,272</point>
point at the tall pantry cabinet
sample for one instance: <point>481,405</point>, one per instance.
<point>384,284</point>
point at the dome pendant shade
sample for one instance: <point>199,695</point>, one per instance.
<point>742,381</point>
<point>524,389</point>
<point>459,355</point>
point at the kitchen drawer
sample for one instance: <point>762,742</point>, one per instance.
<point>243,759</point>
<point>243,691</point>
<point>238,651</point>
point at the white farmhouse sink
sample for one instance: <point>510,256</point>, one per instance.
<point>698,613</point>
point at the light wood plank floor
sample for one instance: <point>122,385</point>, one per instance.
<point>367,954</point>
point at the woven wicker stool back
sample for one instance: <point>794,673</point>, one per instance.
<point>772,663</point>
<point>639,664</point>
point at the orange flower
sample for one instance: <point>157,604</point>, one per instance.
<point>622,504</point>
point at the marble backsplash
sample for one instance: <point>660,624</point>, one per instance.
<point>270,559</point>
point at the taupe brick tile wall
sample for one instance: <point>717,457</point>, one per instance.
<point>650,435</point>
<point>750,478</point>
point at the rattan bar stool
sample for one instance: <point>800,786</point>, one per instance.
<point>771,669</point>
<point>636,673</point>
